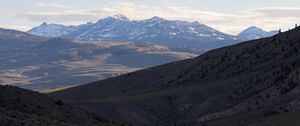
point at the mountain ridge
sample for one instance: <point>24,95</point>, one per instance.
<point>155,30</point>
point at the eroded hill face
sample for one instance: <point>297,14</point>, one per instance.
<point>19,107</point>
<point>246,82</point>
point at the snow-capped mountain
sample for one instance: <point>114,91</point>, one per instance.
<point>156,29</point>
<point>255,33</point>
<point>56,30</point>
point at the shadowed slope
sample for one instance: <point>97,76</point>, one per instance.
<point>8,34</point>
<point>259,77</point>
<point>20,107</point>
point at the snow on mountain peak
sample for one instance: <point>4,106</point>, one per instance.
<point>254,29</point>
<point>154,19</point>
<point>44,23</point>
<point>120,28</point>
<point>56,30</point>
<point>120,17</point>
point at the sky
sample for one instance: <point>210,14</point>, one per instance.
<point>229,16</point>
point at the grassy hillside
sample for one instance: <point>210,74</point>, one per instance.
<point>259,77</point>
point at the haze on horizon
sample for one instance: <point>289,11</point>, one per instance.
<point>228,16</point>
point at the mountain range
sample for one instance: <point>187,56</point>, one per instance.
<point>254,83</point>
<point>156,30</point>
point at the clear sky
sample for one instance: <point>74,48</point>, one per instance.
<point>230,16</point>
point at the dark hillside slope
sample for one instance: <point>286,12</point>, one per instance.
<point>20,107</point>
<point>245,82</point>
<point>8,34</point>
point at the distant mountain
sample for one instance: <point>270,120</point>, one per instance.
<point>20,107</point>
<point>40,63</point>
<point>155,30</point>
<point>56,30</point>
<point>250,83</point>
<point>255,33</point>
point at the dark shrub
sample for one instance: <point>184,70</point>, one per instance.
<point>59,102</point>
